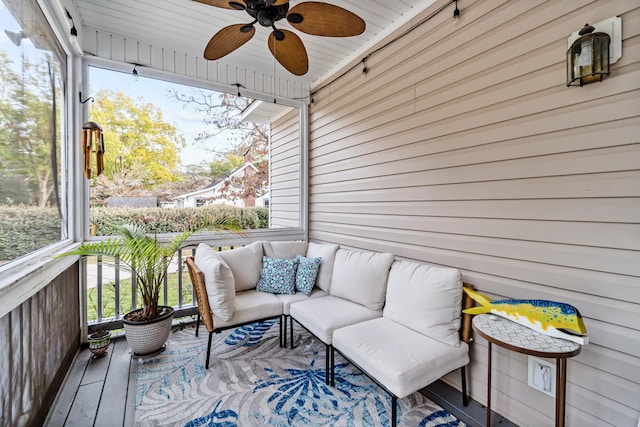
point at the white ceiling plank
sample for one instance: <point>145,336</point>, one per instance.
<point>171,35</point>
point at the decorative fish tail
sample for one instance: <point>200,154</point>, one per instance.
<point>484,301</point>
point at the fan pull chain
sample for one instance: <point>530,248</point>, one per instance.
<point>275,46</point>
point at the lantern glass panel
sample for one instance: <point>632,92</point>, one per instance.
<point>601,58</point>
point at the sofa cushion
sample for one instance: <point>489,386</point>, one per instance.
<point>361,277</point>
<point>218,280</point>
<point>322,316</point>
<point>278,276</point>
<point>245,264</point>
<point>326,251</point>
<point>426,299</point>
<point>286,250</point>
<point>401,359</point>
<point>307,273</point>
<point>287,300</point>
<point>251,306</point>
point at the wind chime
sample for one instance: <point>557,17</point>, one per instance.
<point>92,145</point>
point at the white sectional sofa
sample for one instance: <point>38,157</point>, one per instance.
<point>356,294</point>
<point>416,341</point>
<point>400,322</point>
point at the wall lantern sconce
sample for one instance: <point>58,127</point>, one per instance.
<point>592,50</point>
<point>588,57</point>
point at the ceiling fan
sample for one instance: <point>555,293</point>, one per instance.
<point>311,17</point>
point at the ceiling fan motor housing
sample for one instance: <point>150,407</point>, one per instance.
<point>265,13</point>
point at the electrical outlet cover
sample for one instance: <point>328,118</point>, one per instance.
<point>542,376</point>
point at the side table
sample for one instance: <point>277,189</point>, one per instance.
<point>513,336</point>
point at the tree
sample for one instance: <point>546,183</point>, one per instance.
<point>26,105</point>
<point>222,167</point>
<point>233,140</point>
<point>247,186</point>
<point>193,177</point>
<point>142,149</point>
<point>225,130</point>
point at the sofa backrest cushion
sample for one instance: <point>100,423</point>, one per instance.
<point>425,298</point>
<point>218,280</point>
<point>284,250</point>
<point>326,251</point>
<point>361,277</point>
<point>246,265</point>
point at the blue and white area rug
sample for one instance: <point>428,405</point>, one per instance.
<point>251,381</point>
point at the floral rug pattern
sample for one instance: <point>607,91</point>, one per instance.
<point>251,381</point>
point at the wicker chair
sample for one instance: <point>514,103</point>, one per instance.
<point>204,309</point>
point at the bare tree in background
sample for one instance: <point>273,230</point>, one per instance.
<point>228,136</point>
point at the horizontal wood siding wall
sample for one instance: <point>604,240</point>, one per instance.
<point>284,203</point>
<point>463,147</point>
<point>38,340</point>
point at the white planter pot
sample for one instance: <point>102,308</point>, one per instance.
<point>147,338</point>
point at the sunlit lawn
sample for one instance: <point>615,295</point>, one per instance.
<point>109,297</point>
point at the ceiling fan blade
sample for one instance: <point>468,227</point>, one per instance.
<point>227,40</point>
<point>280,2</point>
<point>289,51</point>
<point>323,19</point>
<point>218,3</point>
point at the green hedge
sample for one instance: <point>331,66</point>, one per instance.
<point>263,217</point>
<point>176,220</point>
<point>25,229</point>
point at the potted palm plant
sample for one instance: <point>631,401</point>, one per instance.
<point>147,328</point>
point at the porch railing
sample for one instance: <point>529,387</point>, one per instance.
<point>110,285</point>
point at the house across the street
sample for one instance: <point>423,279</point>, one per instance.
<point>212,194</point>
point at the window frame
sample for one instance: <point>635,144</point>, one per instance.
<point>26,275</point>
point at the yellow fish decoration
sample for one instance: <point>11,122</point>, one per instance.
<point>552,318</point>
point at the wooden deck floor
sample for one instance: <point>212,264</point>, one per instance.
<point>98,392</point>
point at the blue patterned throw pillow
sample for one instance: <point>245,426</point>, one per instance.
<point>307,273</point>
<point>278,276</point>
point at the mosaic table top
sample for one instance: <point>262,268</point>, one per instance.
<point>514,336</point>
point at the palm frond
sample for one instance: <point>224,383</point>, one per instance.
<point>147,258</point>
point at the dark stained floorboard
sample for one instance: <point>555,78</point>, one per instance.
<point>97,392</point>
<point>116,385</point>
<point>62,405</point>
